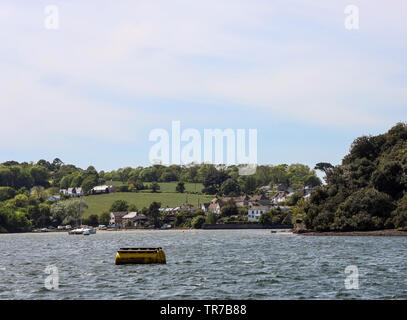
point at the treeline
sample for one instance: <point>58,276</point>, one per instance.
<point>25,187</point>
<point>368,191</point>
<point>22,177</point>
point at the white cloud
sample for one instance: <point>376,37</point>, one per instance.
<point>241,52</point>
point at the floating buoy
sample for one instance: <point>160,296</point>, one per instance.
<point>140,256</point>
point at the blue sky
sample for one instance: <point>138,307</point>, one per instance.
<point>91,91</point>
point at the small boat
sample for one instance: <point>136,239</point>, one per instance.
<point>76,231</point>
<point>85,231</point>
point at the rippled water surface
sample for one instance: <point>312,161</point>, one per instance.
<point>204,264</point>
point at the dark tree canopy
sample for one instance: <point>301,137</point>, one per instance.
<point>368,190</point>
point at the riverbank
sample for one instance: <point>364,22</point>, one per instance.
<point>381,233</point>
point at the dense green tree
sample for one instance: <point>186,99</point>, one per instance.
<point>104,218</point>
<point>365,192</point>
<point>180,187</point>
<point>155,187</point>
<point>229,209</point>
<point>230,188</point>
<point>323,166</point>
<point>7,193</point>
<point>266,218</point>
<point>197,222</point>
<point>119,206</point>
<point>92,220</point>
<point>40,176</point>
<point>153,214</point>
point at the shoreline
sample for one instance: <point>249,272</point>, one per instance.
<point>375,233</point>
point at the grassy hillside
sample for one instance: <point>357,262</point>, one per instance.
<point>166,186</point>
<point>99,203</point>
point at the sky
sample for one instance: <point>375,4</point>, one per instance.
<point>91,91</point>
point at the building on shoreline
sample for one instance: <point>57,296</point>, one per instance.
<point>102,189</point>
<point>134,219</point>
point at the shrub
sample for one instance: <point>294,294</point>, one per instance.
<point>197,222</point>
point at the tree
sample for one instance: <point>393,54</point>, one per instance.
<point>230,188</point>
<point>154,187</point>
<point>399,215</point>
<point>153,213</point>
<point>40,176</point>
<point>180,187</point>
<point>292,201</point>
<point>323,166</point>
<point>92,220</point>
<point>89,183</point>
<point>104,218</point>
<point>57,163</point>
<point>213,180</point>
<point>266,218</point>
<point>67,212</point>
<point>7,193</point>
<point>389,178</point>
<point>229,209</point>
<point>197,222</point>
<point>119,206</point>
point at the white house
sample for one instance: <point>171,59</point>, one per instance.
<point>116,218</point>
<point>254,212</point>
<point>102,189</point>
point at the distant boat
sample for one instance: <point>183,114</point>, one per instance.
<point>76,231</point>
<point>85,231</point>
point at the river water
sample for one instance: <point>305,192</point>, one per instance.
<point>203,264</point>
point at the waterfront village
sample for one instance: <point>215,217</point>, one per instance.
<point>243,211</point>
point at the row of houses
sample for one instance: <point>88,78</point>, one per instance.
<point>256,205</point>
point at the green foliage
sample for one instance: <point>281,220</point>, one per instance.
<point>197,222</point>
<point>104,218</point>
<point>180,187</point>
<point>292,201</point>
<point>211,218</point>
<point>183,219</point>
<point>155,187</point>
<point>153,214</point>
<point>13,221</point>
<point>92,220</point>
<point>367,191</point>
<point>266,218</point>
<point>399,215</point>
<point>229,209</point>
<point>7,193</point>
<point>230,188</point>
<point>276,217</point>
<point>119,206</point>
<point>67,212</point>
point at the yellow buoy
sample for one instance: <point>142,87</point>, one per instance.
<point>140,255</point>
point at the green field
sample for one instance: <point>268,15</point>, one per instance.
<point>166,186</point>
<point>100,203</point>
